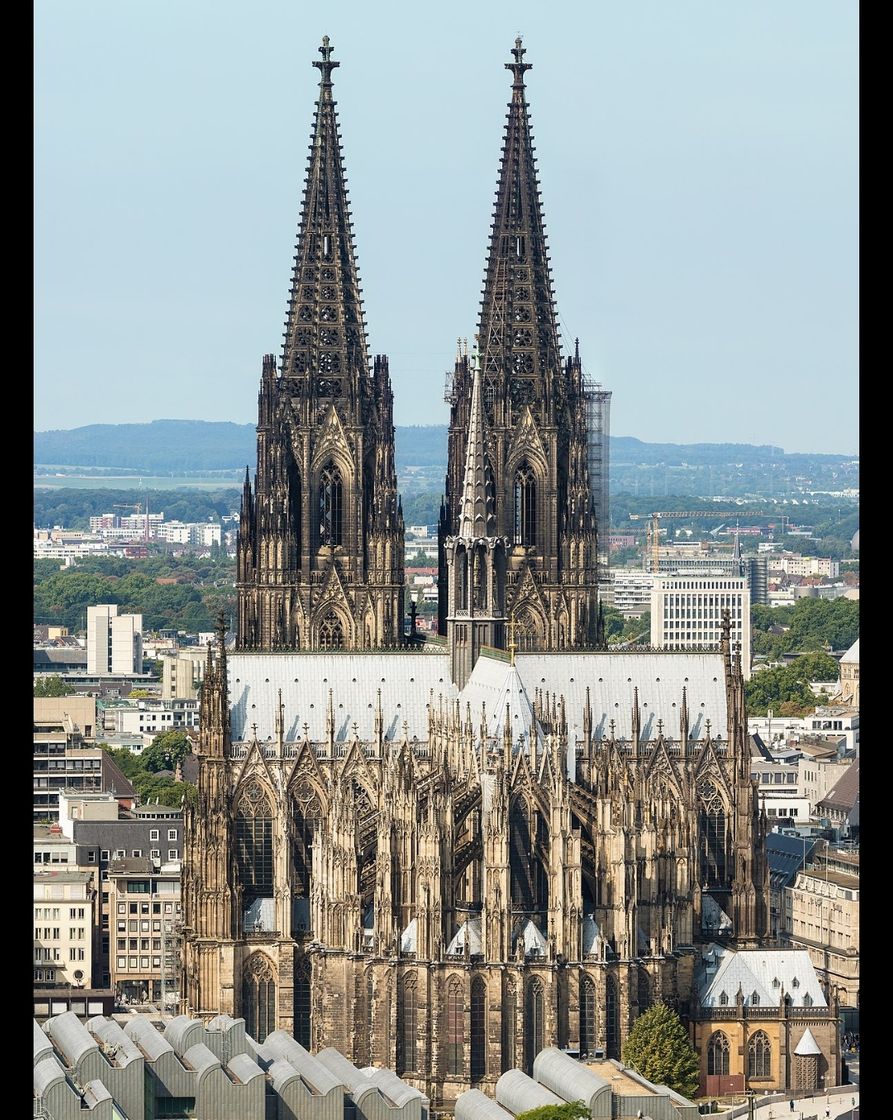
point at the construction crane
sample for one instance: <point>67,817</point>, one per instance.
<point>652,532</point>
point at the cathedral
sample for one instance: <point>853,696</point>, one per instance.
<point>441,856</point>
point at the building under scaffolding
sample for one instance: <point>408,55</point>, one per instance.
<point>598,423</point>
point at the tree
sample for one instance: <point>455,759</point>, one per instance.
<point>51,686</point>
<point>659,1048</point>
<point>575,1110</point>
<point>166,752</point>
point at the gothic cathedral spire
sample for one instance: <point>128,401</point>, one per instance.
<point>320,555</point>
<point>535,407</point>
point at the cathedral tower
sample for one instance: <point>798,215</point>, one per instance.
<point>320,553</point>
<point>535,408</point>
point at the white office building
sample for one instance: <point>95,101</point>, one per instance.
<point>687,612</point>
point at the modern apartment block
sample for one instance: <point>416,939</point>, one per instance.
<point>145,902</point>
<point>687,612</point>
<point>63,928</point>
<point>103,838</point>
<point>114,642</point>
<point>63,762</point>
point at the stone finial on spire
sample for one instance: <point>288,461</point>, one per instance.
<point>327,65</point>
<point>518,67</point>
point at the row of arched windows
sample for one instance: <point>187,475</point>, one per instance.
<point>759,1055</point>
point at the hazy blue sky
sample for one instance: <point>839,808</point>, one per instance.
<point>698,166</point>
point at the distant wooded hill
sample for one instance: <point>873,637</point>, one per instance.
<point>185,446</point>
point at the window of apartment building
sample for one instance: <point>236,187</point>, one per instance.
<point>144,907</point>
<point>168,909</point>
<point>153,833</point>
<point>122,907</point>
<point>144,962</point>
<point>76,912</point>
<point>155,854</point>
<point>144,926</point>
<point>120,853</point>
<point>156,943</point>
<point>791,779</point>
<point>133,907</point>
<point>104,854</point>
<point>144,944</point>
<point>132,925</point>
<point>137,853</point>
<point>121,943</point>
<point>172,853</point>
<point>172,834</point>
<point>156,907</point>
<point>131,944</point>
<point>156,962</point>
<point>91,856</point>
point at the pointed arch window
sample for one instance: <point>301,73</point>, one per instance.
<point>525,505</point>
<point>407,1026</point>
<point>254,844</point>
<point>588,1020</point>
<point>718,1055</point>
<point>331,511</point>
<point>759,1056</point>
<point>644,990</point>
<point>478,1028</point>
<point>302,1004</point>
<point>534,1026</point>
<point>612,1019</point>
<point>713,836</point>
<point>331,632</point>
<point>258,997</point>
<point>306,815</point>
<point>509,1012</point>
<point>455,1028</point>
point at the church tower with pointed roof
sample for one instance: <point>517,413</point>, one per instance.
<point>534,402</point>
<point>320,552</point>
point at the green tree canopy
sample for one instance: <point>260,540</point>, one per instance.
<point>659,1048</point>
<point>574,1110</point>
<point>51,686</point>
<point>166,751</point>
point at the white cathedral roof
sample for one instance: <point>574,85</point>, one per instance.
<point>852,654</point>
<point>764,973</point>
<point>469,933</point>
<point>409,682</point>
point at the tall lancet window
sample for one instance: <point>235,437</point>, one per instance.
<point>588,1019</point>
<point>258,997</point>
<point>254,844</point>
<point>295,509</point>
<point>534,1024</point>
<point>712,831</point>
<point>302,1003</point>
<point>407,1025</point>
<point>331,503</point>
<point>525,505</point>
<point>478,1028</point>
<point>455,1027</point>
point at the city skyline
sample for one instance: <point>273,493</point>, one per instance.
<point>703,247</point>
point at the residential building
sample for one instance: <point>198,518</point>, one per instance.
<point>687,611</point>
<point>150,716</point>
<point>821,767</point>
<point>840,805</point>
<point>630,591</point>
<point>763,1022</point>
<point>825,924</point>
<point>144,904</point>
<point>62,762</point>
<point>63,926</point>
<point>114,642</point>
<point>181,674</point>
<point>796,565</point>
<point>81,710</point>
<point>779,789</point>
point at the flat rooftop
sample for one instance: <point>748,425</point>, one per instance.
<point>620,1083</point>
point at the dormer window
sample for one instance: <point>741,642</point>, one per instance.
<point>807,1000</point>
<point>776,983</point>
<point>795,983</point>
<point>754,999</point>
<point>723,999</point>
